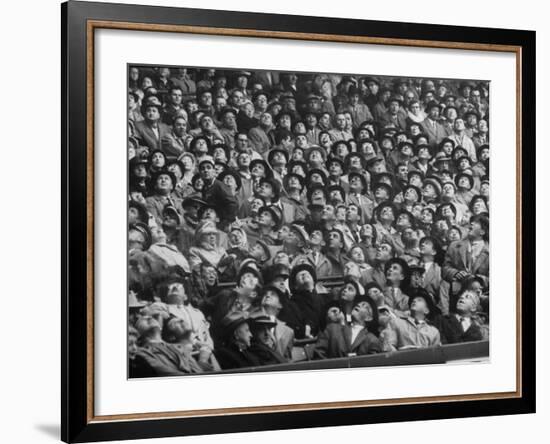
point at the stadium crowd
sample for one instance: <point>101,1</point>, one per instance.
<point>276,217</point>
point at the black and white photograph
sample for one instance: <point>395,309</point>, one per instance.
<point>296,220</point>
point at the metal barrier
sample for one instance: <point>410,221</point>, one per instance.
<point>327,282</point>
<point>466,351</point>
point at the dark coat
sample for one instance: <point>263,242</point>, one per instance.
<point>231,356</point>
<point>292,316</point>
<point>452,331</point>
<point>266,355</point>
<point>311,305</point>
<point>302,309</point>
<point>335,342</point>
<point>218,195</point>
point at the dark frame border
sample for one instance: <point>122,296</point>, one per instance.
<point>77,425</point>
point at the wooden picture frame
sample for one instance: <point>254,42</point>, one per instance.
<point>79,22</point>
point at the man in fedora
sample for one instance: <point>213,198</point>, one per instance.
<point>271,304</point>
<point>151,130</point>
<point>468,257</point>
<point>340,340</point>
<point>177,141</point>
<point>393,116</point>
<point>314,255</point>
<point>264,343</point>
<point>359,111</point>
<point>228,127</point>
<point>269,221</point>
<point>431,126</point>
<point>262,137</point>
<point>302,310</point>
<point>163,183</point>
<point>235,353</point>
<point>461,325</point>
<point>411,331</point>
<point>216,193</point>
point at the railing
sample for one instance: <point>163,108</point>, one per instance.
<point>466,351</point>
<point>328,282</point>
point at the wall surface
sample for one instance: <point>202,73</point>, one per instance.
<point>30,287</point>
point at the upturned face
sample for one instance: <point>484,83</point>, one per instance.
<point>383,252</point>
<point>334,314</point>
<point>207,171</point>
<point>357,255</point>
<point>236,237</point>
<point>362,312</point>
<point>304,280</point>
<point>395,273</point>
<point>467,302</point>
<point>164,183</point>
<point>266,218</point>
<point>209,276</point>
<point>175,293</point>
<point>152,113</point>
<point>410,195</point>
<point>348,293</point>
<point>146,324</point>
<point>419,305</point>
<point>248,280</point>
<point>266,119</point>
<point>387,214</point>
<point>427,247</point>
<point>132,346</point>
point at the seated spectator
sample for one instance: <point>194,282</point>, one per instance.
<point>353,338</point>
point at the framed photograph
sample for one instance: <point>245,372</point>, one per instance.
<point>275,221</point>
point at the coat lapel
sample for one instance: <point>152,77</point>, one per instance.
<point>346,332</point>
<point>465,256</point>
<point>480,260</point>
<point>360,337</point>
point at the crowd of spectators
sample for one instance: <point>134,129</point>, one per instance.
<point>276,217</point>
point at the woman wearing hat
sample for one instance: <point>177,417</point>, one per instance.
<point>183,188</point>
<point>481,167</point>
<point>464,187</point>
<point>207,247</point>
